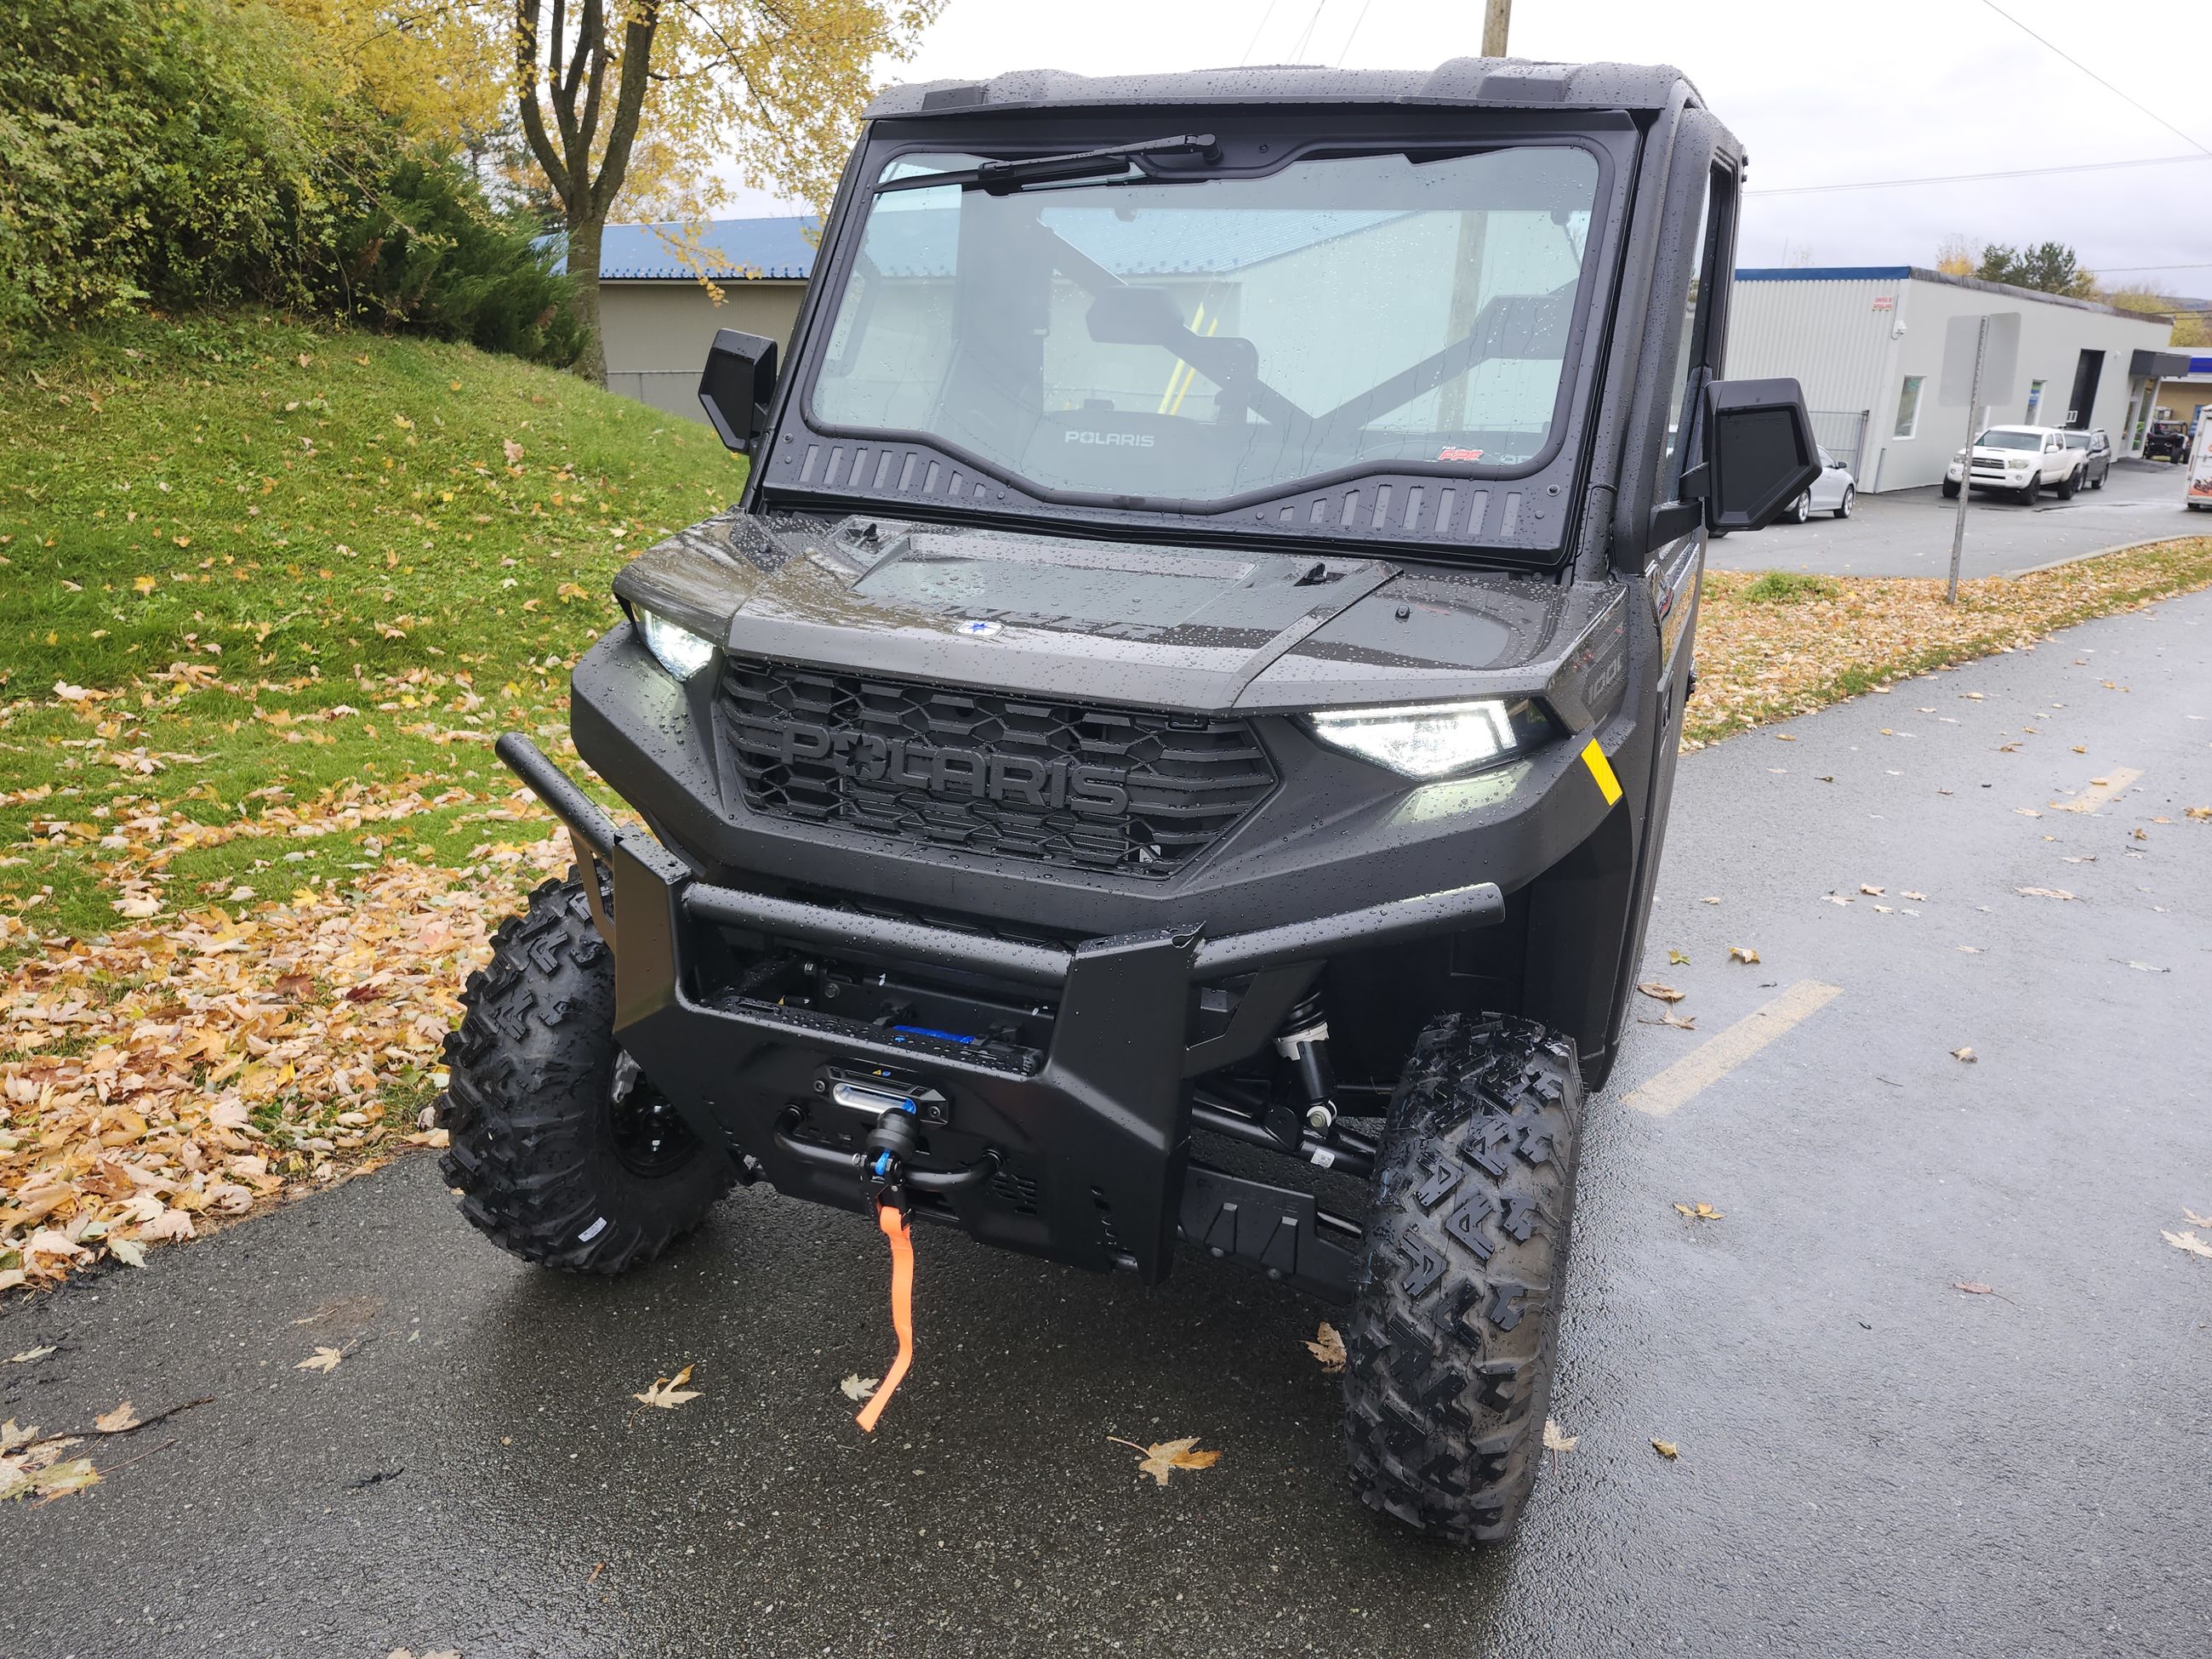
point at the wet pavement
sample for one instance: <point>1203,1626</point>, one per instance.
<point>1907,533</point>
<point>1871,1462</point>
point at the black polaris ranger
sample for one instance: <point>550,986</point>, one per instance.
<point>1193,676</point>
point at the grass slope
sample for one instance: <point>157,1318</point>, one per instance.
<point>296,558</point>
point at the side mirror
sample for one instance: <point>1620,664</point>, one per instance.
<point>1759,452</point>
<point>735,385</point>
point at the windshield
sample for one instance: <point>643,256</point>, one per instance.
<point>1998,438</point>
<point>1205,338</point>
<point>2077,440</point>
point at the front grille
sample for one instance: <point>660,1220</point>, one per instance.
<point>1136,791</point>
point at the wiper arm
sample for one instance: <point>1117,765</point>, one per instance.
<point>998,177</point>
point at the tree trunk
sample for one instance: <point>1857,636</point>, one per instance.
<point>585,238</point>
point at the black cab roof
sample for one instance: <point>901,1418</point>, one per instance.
<point>1492,82</point>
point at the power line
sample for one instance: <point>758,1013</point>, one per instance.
<point>1298,52</point>
<point>2106,268</point>
<point>1257,33</point>
<point>1979,178</point>
<point>2093,75</point>
<point>1354,35</point>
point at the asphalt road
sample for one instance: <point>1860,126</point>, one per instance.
<point>1872,1463</point>
<point>1907,533</point>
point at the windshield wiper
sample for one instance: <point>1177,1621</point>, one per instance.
<point>1011,174</point>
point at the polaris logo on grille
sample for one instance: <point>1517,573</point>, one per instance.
<point>1097,792</point>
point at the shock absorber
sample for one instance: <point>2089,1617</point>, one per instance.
<point>1303,1041</point>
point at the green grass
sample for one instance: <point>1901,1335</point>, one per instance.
<point>337,551</point>
<point>1787,587</point>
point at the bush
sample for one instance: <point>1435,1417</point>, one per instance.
<point>422,250</point>
<point>185,153</point>
<point>168,151</point>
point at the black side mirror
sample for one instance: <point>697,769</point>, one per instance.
<point>1759,452</point>
<point>735,385</point>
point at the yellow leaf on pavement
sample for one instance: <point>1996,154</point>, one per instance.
<point>669,1392</point>
<point>1652,988</point>
<point>1702,1211</point>
<point>323,1359</point>
<point>2189,1242</point>
<point>1555,1441</point>
<point>1169,1455</point>
<point>1667,1448</point>
<point>1742,953</point>
<point>123,1417</point>
<point>857,1386</point>
<point>1327,1347</point>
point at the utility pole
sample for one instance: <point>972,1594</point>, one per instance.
<point>1966,472</point>
<point>1494,22</point>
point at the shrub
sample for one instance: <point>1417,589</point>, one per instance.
<point>422,250</point>
<point>1788,587</point>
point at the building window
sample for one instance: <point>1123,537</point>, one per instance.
<point>2034,402</point>
<point>1908,407</point>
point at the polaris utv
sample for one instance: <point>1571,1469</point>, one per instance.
<point>1172,745</point>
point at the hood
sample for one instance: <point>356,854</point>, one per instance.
<point>1149,624</point>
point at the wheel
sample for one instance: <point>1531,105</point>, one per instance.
<point>564,1153</point>
<point>1801,509</point>
<point>1455,1312</point>
<point>2097,482</point>
<point>1950,490</point>
<point>2030,490</point>
<point>1844,507</point>
<point>2066,487</point>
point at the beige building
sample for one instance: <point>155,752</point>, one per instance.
<point>657,318</point>
<point>2184,386</point>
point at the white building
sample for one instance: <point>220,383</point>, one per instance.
<point>1866,341</point>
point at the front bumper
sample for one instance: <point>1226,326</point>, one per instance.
<point>1077,1151</point>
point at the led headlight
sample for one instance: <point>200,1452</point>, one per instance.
<point>678,650</point>
<point>1436,739</point>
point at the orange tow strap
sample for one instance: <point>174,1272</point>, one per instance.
<point>894,1226</point>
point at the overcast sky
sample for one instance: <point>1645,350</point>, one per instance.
<point>1877,89</point>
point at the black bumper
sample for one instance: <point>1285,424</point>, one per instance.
<point>1079,1153</point>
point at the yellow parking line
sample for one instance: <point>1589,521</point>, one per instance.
<point>2100,791</point>
<point>1707,1064</point>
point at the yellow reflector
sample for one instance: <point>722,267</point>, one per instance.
<point>1601,770</point>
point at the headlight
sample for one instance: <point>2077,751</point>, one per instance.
<point>678,650</point>
<point>1436,739</point>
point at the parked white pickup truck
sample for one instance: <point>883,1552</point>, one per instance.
<point>2020,460</point>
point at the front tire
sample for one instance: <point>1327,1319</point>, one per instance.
<point>1801,509</point>
<point>1950,490</point>
<point>563,1153</point>
<point>2065,490</point>
<point>2030,490</point>
<point>1843,506</point>
<point>1456,1316</point>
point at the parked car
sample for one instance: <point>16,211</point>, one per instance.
<point>1834,492</point>
<point>2094,450</point>
<point>2166,440</point>
<point>2200,469</point>
<point>2020,460</point>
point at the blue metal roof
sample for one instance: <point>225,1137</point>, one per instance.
<point>748,250</point>
<point>1823,274</point>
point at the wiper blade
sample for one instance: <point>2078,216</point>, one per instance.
<point>1012,173</point>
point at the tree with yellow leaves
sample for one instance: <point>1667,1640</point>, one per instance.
<point>643,102</point>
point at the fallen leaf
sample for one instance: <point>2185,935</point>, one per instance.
<point>325,1360</point>
<point>117,1421</point>
<point>1701,1213</point>
<point>1678,958</point>
<point>857,1387</point>
<point>513,450</point>
<point>62,1479</point>
<point>669,1392</point>
<point>2043,892</point>
<point>1327,1347</point>
<point>1967,1054</point>
<point>1169,1455</point>
<point>2188,1242</point>
<point>1667,1448</point>
<point>1870,889</point>
<point>1785,736</point>
<point>1710,899</point>
<point>1652,988</point>
<point>1680,1022</point>
<point>1972,1288</point>
<point>2196,812</point>
<point>1917,898</point>
<point>2190,1216</point>
<point>1555,1441</point>
<point>30,1354</point>
<point>1742,953</point>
